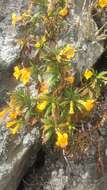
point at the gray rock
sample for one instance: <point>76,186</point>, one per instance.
<point>82,29</point>
<point>82,33</point>
<point>9,50</point>
<point>17,154</point>
<point>57,175</point>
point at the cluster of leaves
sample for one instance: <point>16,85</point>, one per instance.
<point>53,92</point>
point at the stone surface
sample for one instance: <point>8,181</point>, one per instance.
<point>7,84</point>
<point>82,30</point>
<point>56,174</point>
<point>9,51</point>
<point>17,154</point>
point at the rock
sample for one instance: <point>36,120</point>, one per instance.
<point>82,29</point>
<point>7,84</point>
<point>56,174</point>
<point>9,50</point>
<point>17,154</point>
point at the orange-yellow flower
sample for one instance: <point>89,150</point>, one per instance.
<point>102,3</point>
<point>25,75</point>
<point>42,105</point>
<point>66,53</point>
<point>64,12</point>
<point>17,72</point>
<point>88,74</point>
<point>14,113</point>
<point>41,42</point>
<point>43,88</point>
<point>22,74</point>
<point>71,110</point>
<point>89,104</point>
<point>11,124</point>
<point>62,140</point>
<point>15,19</point>
<point>70,79</point>
<point>15,129</point>
<point>3,112</point>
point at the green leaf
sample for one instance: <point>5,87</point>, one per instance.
<point>48,134</point>
<point>102,74</point>
<point>71,128</point>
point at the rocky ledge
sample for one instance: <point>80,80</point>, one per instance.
<point>18,153</point>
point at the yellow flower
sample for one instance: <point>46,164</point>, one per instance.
<point>41,42</point>
<point>14,114</point>
<point>66,53</point>
<point>102,3</point>
<point>22,17</point>
<point>88,74</point>
<point>64,12</point>
<point>14,130</point>
<point>71,110</point>
<point>89,104</point>
<point>25,75</point>
<point>42,105</point>
<point>10,124</point>
<point>15,19</point>
<point>17,72</point>
<point>13,126</point>
<point>43,88</point>
<point>62,140</point>
<point>38,45</point>
<point>70,79</point>
<point>3,113</point>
